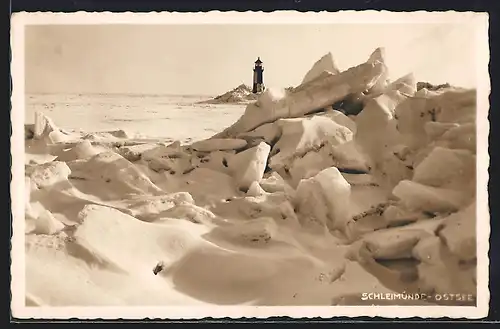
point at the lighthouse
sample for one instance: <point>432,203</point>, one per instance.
<point>258,77</point>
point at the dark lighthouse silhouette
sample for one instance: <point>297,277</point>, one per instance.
<point>258,77</point>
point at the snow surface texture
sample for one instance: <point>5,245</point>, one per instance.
<point>158,117</point>
<point>294,204</point>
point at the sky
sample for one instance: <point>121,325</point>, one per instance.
<point>212,59</point>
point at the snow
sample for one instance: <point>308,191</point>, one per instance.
<point>156,200</point>
<point>438,264</point>
<point>421,197</point>
<point>46,223</point>
<point>459,233</point>
<point>452,168</point>
<point>48,174</point>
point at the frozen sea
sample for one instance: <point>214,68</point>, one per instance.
<point>149,116</point>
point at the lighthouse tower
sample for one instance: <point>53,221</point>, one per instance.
<point>258,78</point>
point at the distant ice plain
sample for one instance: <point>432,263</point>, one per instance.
<point>143,116</point>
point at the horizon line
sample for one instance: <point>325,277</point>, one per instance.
<point>112,93</point>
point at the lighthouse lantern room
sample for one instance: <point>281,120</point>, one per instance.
<point>258,77</point>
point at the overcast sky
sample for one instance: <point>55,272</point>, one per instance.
<point>211,59</point>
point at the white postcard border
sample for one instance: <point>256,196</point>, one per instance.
<point>20,20</point>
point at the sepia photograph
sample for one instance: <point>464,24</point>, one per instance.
<point>298,165</point>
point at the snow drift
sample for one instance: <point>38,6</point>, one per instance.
<point>296,203</point>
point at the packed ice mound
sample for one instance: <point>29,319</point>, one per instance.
<point>249,166</point>
<point>324,198</point>
<point>429,86</point>
<point>309,97</point>
<point>346,183</point>
<point>325,63</point>
<point>45,129</point>
<point>240,94</point>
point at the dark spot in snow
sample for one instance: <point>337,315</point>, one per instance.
<point>274,141</point>
<point>224,162</point>
<point>74,177</point>
<point>351,171</point>
<point>429,214</point>
<point>108,180</point>
<point>158,268</point>
<point>467,263</point>
<point>409,276</point>
<point>172,172</point>
<point>433,114</point>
